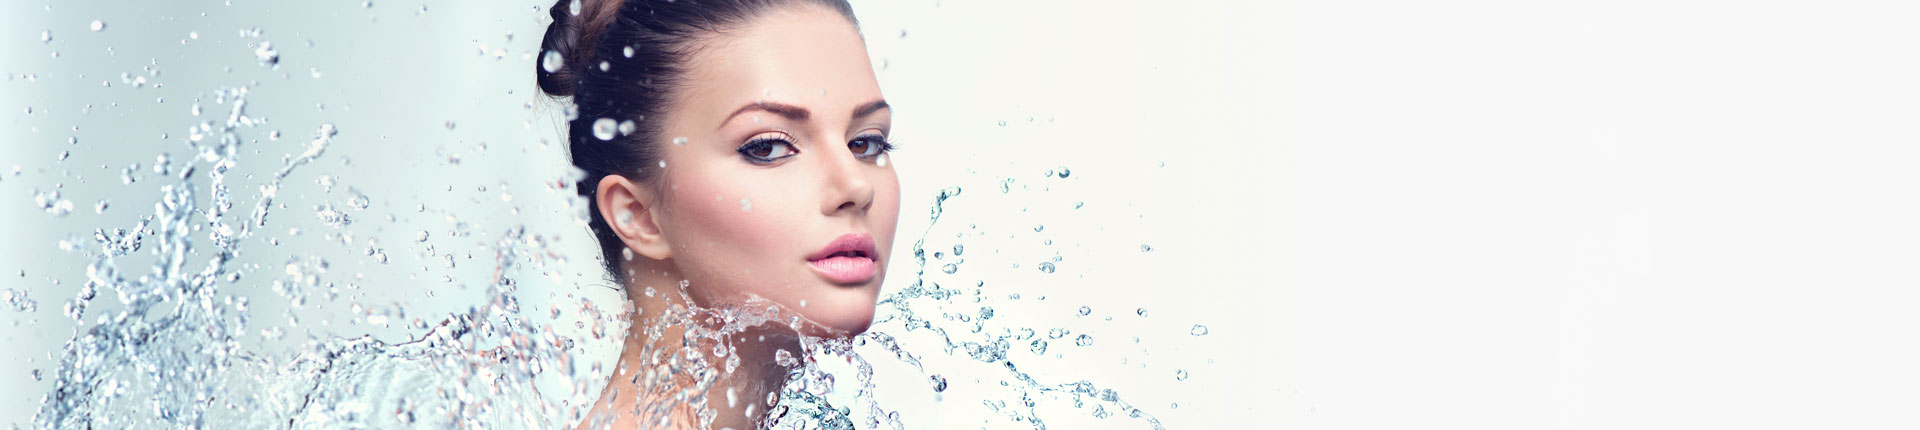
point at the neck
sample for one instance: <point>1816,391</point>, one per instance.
<point>737,399</point>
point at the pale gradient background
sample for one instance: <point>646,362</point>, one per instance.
<point>1390,214</point>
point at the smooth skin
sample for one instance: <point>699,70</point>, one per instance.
<point>737,226</point>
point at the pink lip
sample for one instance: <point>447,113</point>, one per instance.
<point>850,259</point>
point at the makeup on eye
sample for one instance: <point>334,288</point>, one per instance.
<point>767,148</point>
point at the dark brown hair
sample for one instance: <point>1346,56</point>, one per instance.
<point>619,60</point>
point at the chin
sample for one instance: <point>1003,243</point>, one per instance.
<point>840,323</point>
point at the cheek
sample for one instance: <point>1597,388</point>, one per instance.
<point>729,234</point>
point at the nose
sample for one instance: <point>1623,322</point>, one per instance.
<point>848,189</point>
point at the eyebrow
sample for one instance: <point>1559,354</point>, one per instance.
<point>796,113</point>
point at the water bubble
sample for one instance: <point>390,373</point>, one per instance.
<point>957,249</point>
<point>604,128</point>
<point>1039,347</point>
<point>939,383</point>
<point>97,25</point>
<point>1180,375</point>
<point>267,55</point>
<point>1198,330</point>
<point>1083,340</point>
<point>950,268</point>
<point>551,61</point>
<point>1085,310</point>
<point>1046,267</point>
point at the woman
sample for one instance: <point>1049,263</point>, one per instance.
<point>735,152</point>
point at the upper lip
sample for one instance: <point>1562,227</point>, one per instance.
<point>860,244</point>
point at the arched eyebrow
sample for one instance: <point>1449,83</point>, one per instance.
<point>796,113</point>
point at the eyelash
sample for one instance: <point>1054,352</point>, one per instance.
<point>885,144</point>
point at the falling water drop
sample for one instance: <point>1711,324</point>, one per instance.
<point>551,61</point>
<point>604,128</point>
<point>267,55</point>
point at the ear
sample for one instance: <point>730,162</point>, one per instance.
<point>628,207</point>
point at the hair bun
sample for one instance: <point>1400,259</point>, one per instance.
<point>576,29</point>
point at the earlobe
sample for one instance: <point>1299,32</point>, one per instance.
<point>627,207</point>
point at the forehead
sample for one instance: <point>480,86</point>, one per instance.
<point>791,54</point>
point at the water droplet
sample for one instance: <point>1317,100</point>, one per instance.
<point>1038,228</point>
<point>1085,310</point>
<point>1198,330</point>
<point>682,141</point>
<point>421,237</point>
<point>46,36</point>
<point>627,51</point>
<point>97,25</point>
<point>1145,248</point>
<point>1046,267</point>
<point>1062,171</point>
<point>573,8</point>
<point>267,55</point>
<point>100,207</point>
<point>1180,375</point>
<point>450,125</point>
<point>950,268</point>
<point>957,249</point>
<point>604,128</point>
<point>745,205</point>
<point>1002,123</point>
<point>627,127</point>
<point>551,61</point>
<point>1083,340</point>
<point>1039,347</point>
<point>939,382</point>
<point>1141,311</point>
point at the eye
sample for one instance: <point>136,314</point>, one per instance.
<point>869,146</point>
<point>767,149</point>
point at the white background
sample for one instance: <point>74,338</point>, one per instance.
<point>1390,214</point>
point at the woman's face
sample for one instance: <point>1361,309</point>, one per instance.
<point>777,182</point>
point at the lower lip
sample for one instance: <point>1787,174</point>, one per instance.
<point>844,270</point>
